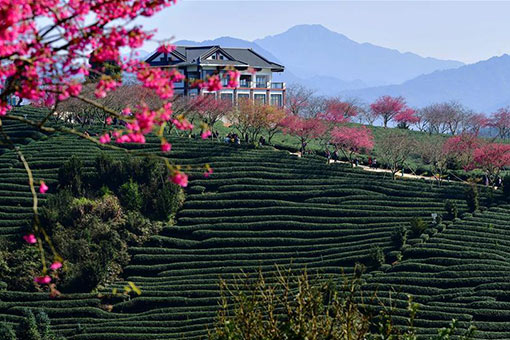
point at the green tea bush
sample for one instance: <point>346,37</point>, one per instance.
<point>472,198</point>
<point>418,226</point>
<point>451,208</point>
<point>130,196</point>
<point>399,236</point>
<point>70,175</point>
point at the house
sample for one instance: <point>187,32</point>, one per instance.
<point>199,62</point>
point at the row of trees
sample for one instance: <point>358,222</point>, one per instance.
<point>440,118</point>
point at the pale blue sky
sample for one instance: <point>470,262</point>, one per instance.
<point>468,31</point>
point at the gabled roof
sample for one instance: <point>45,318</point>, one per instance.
<point>236,57</point>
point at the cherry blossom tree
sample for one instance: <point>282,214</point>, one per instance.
<point>210,109</point>
<point>501,121</point>
<point>475,122</point>
<point>460,149</point>
<point>352,140</point>
<point>387,108</point>
<point>491,158</point>
<point>248,118</point>
<point>46,50</point>
<point>406,118</point>
<point>305,129</point>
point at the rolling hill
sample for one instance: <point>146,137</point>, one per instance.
<point>263,207</point>
<point>483,86</point>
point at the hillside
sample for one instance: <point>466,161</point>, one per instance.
<point>481,86</point>
<point>263,207</point>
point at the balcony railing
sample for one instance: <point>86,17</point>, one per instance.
<point>277,85</point>
<point>262,85</point>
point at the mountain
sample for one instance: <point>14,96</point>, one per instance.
<point>483,86</point>
<point>313,50</point>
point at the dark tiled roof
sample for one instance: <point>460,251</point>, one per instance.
<point>239,56</point>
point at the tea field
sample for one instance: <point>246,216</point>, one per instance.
<point>261,208</point>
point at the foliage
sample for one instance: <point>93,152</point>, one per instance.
<point>129,196</point>
<point>376,257</point>
<point>472,198</point>
<point>289,307</point>
<point>303,128</point>
<point>418,226</point>
<point>506,187</point>
<point>452,209</point>
<point>70,175</point>
<point>399,236</point>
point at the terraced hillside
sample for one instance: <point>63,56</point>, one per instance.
<point>461,273</point>
<point>260,208</point>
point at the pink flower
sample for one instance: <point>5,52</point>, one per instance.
<point>56,265</point>
<point>109,120</point>
<point>213,83</point>
<point>42,280</point>
<point>43,187</point>
<point>208,172</point>
<point>206,134</point>
<point>166,48</point>
<point>180,179</point>
<point>30,238</point>
<point>165,146</point>
<point>104,139</point>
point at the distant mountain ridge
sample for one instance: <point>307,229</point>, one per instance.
<point>311,50</point>
<point>483,86</point>
<point>330,63</point>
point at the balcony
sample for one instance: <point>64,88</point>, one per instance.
<point>244,84</point>
<point>278,85</point>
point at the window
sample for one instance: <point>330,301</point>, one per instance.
<point>276,100</point>
<point>261,82</point>
<point>260,98</point>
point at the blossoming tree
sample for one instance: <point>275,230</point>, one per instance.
<point>47,47</point>
<point>305,129</point>
<point>388,108</point>
<point>352,140</point>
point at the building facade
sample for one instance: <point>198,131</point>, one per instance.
<point>198,62</point>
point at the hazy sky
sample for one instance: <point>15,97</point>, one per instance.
<point>468,31</point>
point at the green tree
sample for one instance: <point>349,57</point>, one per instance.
<point>472,199</point>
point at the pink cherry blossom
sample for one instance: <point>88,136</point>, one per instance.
<point>206,134</point>
<point>208,172</point>
<point>43,187</point>
<point>166,48</point>
<point>165,146</point>
<point>180,179</point>
<point>105,139</point>
<point>30,238</point>
<point>56,265</point>
<point>109,120</point>
<point>42,280</point>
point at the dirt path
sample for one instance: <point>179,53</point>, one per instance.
<point>397,175</point>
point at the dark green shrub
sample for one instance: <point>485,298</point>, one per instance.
<point>27,328</point>
<point>167,200</point>
<point>418,226</point>
<point>399,236</point>
<point>130,197</point>
<point>506,187</point>
<point>452,211</point>
<point>6,332</point>
<point>376,257</point>
<point>70,175</point>
<point>196,189</point>
<point>472,199</point>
